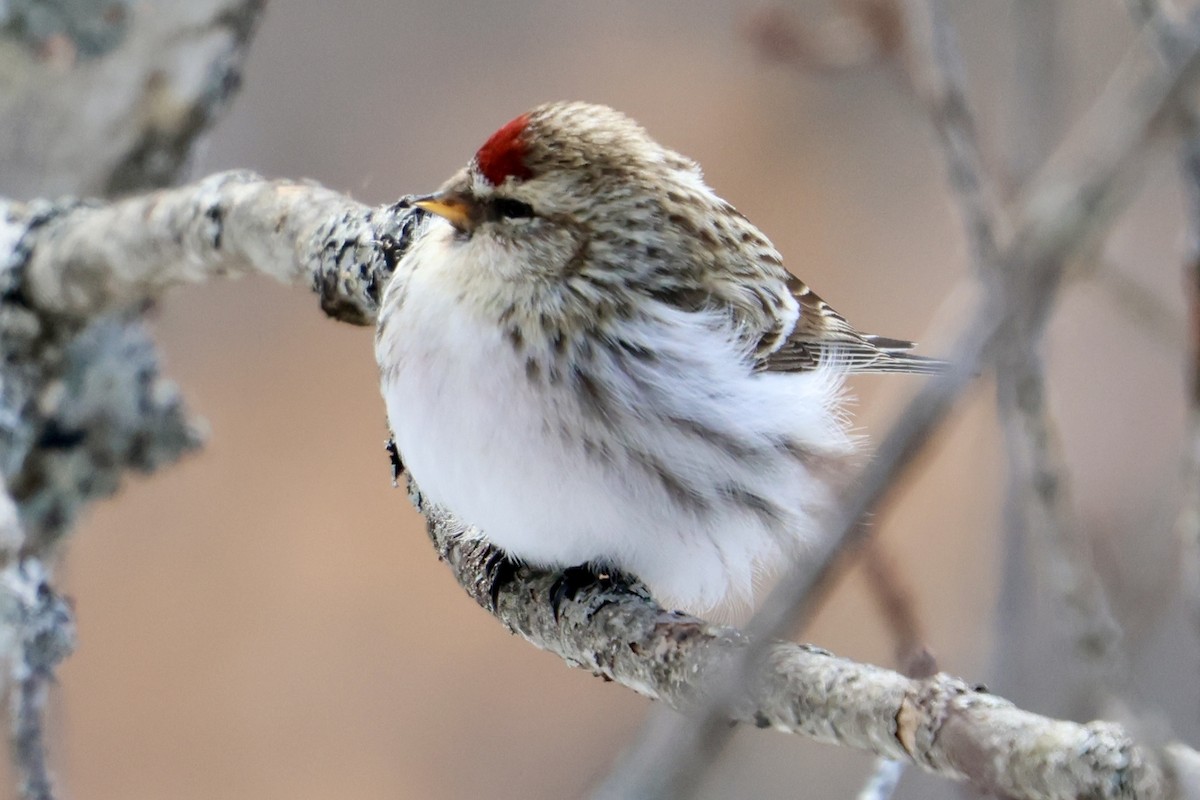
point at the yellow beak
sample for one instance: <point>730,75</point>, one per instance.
<point>453,207</point>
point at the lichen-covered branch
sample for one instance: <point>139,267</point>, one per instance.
<point>613,629</point>
<point>36,632</point>
<point>84,260</point>
<point>939,723</point>
<point>99,98</point>
<point>82,399</point>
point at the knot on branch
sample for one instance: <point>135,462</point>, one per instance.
<point>923,712</point>
<point>359,252</point>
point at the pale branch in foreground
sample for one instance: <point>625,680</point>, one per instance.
<point>941,724</point>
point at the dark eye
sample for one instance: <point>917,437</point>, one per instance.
<point>507,208</point>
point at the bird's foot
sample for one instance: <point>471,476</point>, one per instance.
<point>573,580</point>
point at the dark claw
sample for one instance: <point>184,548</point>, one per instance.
<point>397,464</point>
<point>500,570</point>
<point>573,580</point>
<point>570,583</point>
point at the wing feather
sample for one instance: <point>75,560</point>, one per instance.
<point>823,336</point>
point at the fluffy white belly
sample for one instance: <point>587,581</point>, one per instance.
<point>481,442</point>
<point>553,485</point>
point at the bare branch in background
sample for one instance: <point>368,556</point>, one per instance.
<point>1140,306</point>
<point>935,69</point>
<point>1038,508</point>
<point>1172,38</point>
<point>1039,500</point>
<point>1033,130</point>
<point>149,79</point>
<point>896,604</point>
<point>859,34</point>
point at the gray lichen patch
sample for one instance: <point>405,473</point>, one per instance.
<point>80,402</point>
<point>100,407</point>
<point>90,27</point>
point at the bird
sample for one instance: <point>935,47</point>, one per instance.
<point>594,360</point>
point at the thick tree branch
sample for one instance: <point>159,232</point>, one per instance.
<point>85,260</point>
<point>99,98</point>
<point>938,723</point>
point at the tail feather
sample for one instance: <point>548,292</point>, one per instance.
<point>902,362</point>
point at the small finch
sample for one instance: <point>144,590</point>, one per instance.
<point>597,361</point>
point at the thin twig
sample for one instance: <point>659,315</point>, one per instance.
<point>1039,501</point>
<point>896,603</point>
<point>1171,37</point>
<point>938,78</point>
<point>1141,306</point>
<point>1038,105</point>
<point>1038,505</point>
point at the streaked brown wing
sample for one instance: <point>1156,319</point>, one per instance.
<point>823,336</point>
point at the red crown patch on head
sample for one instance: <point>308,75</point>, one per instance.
<point>504,153</point>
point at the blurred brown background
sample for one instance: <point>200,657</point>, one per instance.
<point>268,620</point>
